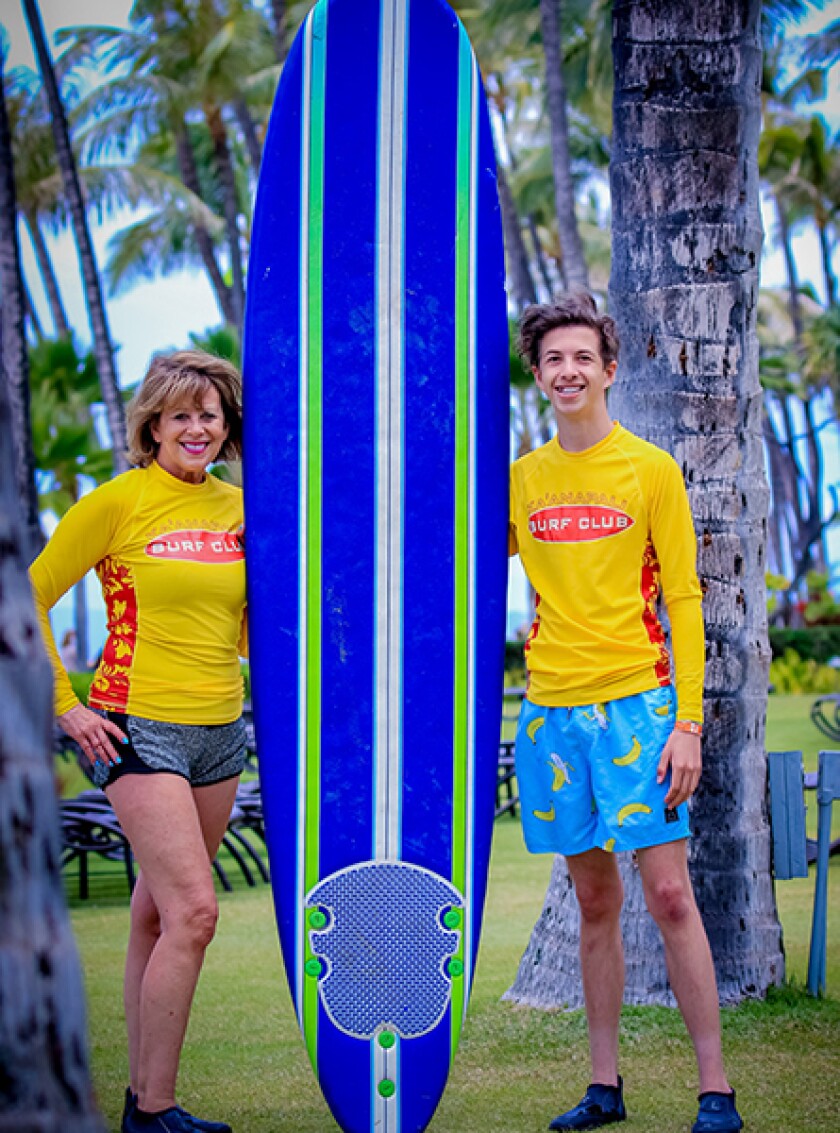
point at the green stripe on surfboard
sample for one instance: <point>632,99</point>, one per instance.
<point>463,487</point>
<point>312,207</point>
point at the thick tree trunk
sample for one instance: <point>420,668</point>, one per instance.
<point>14,357</point>
<point>39,245</point>
<point>575,273</point>
<point>686,244</point>
<point>44,1083</point>
<point>102,348</point>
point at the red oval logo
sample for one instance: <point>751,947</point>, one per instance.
<point>578,523</point>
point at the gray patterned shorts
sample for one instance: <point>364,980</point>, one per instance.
<point>202,754</point>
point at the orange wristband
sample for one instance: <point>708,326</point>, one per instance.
<point>689,726</point>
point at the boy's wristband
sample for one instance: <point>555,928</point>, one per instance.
<point>689,726</point>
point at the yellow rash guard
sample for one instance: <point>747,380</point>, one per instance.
<point>172,572</point>
<point>600,533</point>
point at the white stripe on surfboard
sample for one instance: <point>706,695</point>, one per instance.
<point>389,449</point>
<point>385,1067</point>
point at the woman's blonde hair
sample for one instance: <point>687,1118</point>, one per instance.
<point>175,377</point>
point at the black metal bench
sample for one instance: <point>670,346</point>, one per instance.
<point>507,799</point>
<point>89,826</point>
<point>825,712</point>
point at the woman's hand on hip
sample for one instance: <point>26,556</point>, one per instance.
<point>92,733</point>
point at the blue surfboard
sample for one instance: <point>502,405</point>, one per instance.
<point>376,407</point>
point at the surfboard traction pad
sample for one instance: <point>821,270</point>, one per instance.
<point>384,938</point>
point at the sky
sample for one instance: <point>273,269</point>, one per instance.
<point>152,316</point>
<point>161,315</point>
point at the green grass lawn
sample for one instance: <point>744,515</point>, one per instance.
<point>516,1068</point>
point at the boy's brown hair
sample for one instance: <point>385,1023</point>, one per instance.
<point>574,309</point>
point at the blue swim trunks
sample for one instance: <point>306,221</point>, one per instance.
<point>587,775</point>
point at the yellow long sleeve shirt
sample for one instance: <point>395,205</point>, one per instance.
<point>600,534</point>
<point>172,571</point>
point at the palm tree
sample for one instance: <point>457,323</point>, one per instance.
<point>518,43</point>
<point>686,245</point>
<point>148,99</point>
<point>799,172</point>
<point>37,182</point>
<point>162,240</point>
<point>280,27</point>
<point>520,278</point>
<point>92,288</point>
<point>817,187</point>
<point>13,358</point>
<point>187,81</point>
<point>795,382</point>
<point>575,272</point>
<point>45,1082</point>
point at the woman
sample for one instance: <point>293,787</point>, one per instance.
<point>168,741</point>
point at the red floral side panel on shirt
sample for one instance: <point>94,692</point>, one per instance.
<point>650,593</point>
<point>110,687</point>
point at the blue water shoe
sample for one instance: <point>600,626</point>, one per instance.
<point>174,1120</point>
<point>717,1114</point>
<point>600,1105</point>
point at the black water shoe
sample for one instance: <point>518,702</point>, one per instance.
<point>600,1105</point>
<point>717,1114</point>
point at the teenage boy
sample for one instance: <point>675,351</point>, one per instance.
<point>608,750</point>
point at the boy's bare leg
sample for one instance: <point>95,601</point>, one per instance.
<point>670,899</point>
<point>599,892</point>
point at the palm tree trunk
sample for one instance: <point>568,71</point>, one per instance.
<point>815,483</point>
<point>13,352</point>
<point>102,348</point>
<point>828,270</point>
<point>517,262</point>
<point>794,306</point>
<point>245,121</point>
<point>686,245</point>
<point>280,26</point>
<point>520,279</point>
<point>32,314</point>
<point>45,1081</point>
<point>189,175</point>
<point>575,273</point>
<point>778,530</point>
<point>795,473</point>
<point>227,182</point>
<point>539,256</point>
<point>811,551</point>
<point>42,255</point>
